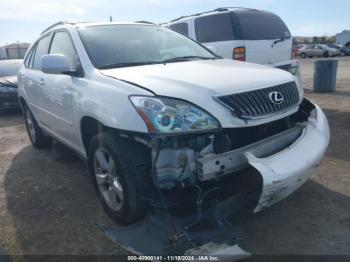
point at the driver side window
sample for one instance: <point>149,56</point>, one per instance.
<point>62,44</point>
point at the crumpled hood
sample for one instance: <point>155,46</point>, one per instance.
<point>10,81</point>
<point>193,79</point>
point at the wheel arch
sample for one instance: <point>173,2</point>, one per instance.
<point>90,127</point>
<point>22,102</point>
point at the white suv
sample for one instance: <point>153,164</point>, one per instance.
<point>162,121</point>
<point>243,34</point>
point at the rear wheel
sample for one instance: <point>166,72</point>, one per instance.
<point>35,133</point>
<point>303,55</point>
<point>121,172</point>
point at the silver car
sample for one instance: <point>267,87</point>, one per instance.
<point>318,50</point>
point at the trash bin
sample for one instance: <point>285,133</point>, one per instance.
<point>325,75</point>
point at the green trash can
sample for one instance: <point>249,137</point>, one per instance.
<point>325,75</point>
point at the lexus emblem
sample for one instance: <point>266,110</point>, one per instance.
<point>276,97</point>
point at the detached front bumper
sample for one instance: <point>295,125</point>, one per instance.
<point>284,172</point>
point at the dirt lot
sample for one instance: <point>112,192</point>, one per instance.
<point>48,204</point>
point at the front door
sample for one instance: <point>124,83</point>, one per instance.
<point>61,92</point>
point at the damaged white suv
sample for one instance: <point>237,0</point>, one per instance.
<point>165,124</point>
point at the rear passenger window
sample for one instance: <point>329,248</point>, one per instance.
<point>260,25</point>
<point>62,44</point>
<point>41,49</point>
<point>28,57</point>
<point>181,28</point>
<point>214,28</point>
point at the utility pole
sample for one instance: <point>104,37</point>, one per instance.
<point>110,19</point>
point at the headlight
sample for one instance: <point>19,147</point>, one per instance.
<point>166,115</point>
<point>7,89</point>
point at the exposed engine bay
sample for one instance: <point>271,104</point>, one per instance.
<point>181,161</point>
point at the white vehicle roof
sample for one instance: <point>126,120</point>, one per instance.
<point>216,11</point>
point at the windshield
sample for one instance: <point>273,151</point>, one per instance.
<point>258,25</point>
<point>110,46</point>
<point>9,68</point>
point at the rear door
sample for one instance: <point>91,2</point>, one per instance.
<point>266,37</point>
<point>35,81</point>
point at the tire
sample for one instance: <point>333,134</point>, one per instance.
<point>325,54</point>
<point>121,172</point>
<point>342,53</point>
<point>303,55</point>
<point>35,133</point>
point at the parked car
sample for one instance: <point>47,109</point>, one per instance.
<point>344,51</point>
<point>318,50</point>
<point>8,83</point>
<point>242,34</point>
<point>167,126</point>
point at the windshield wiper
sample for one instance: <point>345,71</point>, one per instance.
<point>118,65</point>
<point>187,58</point>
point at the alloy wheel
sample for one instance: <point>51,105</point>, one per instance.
<point>107,179</point>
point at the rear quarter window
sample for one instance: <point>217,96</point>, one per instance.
<point>214,28</point>
<point>180,28</point>
<point>259,25</point>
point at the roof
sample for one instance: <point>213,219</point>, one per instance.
<point>217,10</point>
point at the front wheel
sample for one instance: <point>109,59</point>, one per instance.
<point>35,133</point>
<point>325,54</point>
<point>121,183</point>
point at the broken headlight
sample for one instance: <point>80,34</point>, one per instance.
<point>167,115</point>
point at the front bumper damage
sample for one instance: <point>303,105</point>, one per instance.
<point>284,172</point>
<point>281,172</point>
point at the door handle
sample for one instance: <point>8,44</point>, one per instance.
<point>41,82</point>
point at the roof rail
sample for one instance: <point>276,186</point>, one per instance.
<point>220,9</point>
<point>145,22</point>
<point>226,8</point>
<point>54,25</point>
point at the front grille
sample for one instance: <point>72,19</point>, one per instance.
<point>257,103</point>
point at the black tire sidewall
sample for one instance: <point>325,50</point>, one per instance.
<point>133,207</point>
<point>26,112</point>
<point>41,141</point>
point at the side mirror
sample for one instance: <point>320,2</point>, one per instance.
<point>55,64</point>
<point>211,48</point>
<point>59,64</point>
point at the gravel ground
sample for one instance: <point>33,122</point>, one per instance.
<point>48,204</point>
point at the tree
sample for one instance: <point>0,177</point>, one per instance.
<point>316,40</point>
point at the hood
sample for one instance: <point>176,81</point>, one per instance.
<point>201,77</point>
<point>10,81</point>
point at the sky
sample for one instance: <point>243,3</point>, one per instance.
<point>23,20</point>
